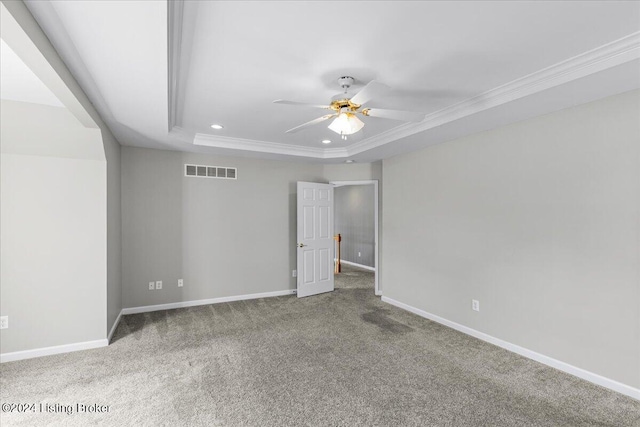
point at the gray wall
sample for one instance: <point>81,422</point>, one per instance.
<point>223,237</point>
<point>354,220</point>
<point>54,239</point>
<point>53,228</point>
<point>539,222</point>
<point>111,149</point>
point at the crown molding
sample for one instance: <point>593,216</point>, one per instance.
<point>181,21</point>
<point>267,147</point>
<point>180,15</point>
<point>601,58</point>
<point>180,134</point>
<point>175,14</point>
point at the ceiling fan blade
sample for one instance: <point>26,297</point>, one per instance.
<point>300,104</point>
<point>373,89</point>
<point>405,116</point>
<point>311,123</point>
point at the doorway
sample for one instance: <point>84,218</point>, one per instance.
<point>361,250</point>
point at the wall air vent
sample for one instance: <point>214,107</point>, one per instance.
<point>219,172</point>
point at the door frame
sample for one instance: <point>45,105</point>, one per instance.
<point>376,207</point>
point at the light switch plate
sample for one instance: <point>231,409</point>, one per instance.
<point>180,283</point>
<point>152,285</point>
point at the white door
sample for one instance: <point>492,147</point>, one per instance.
<point>315,240</point>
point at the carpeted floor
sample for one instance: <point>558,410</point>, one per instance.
<point>337,359</point>
<point>353,277</point>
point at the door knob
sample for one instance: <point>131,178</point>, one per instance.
<point>301,245</point>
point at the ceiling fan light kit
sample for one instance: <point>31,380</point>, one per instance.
<point>346,107</point>
<point>346,124</point>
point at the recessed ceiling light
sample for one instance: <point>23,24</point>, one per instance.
<point>348,161</point>
<point>326,141</point>
<point>217,127</point>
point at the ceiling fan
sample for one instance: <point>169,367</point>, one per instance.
<point>345,107</point>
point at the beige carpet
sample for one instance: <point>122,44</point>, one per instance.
<point>338,359</point>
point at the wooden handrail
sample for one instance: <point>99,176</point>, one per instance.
<point>338,266</point>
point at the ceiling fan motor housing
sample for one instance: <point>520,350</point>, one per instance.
<point>340,101</point>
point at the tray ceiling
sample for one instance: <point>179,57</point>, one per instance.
<point>161,73</point>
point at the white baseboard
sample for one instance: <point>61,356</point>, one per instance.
<point>554,363</point>
<point>366,267</point>
<point>48,351</point>
<point>115,325</point>
<point>183,304</point>
<point>67,348</point>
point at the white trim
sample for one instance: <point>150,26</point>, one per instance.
<point>601,58</point>
<point>355,264</point>
<point>587,63</point>
<point>67,348</point>
<point>546,360</point>
<point>194,303</point>
<point>217,141</point>
<point>48,351</point>
<point>175,12</point>
<point>376,207</point>
<point>178,133</point>
<point>344,183</point>
<point>114,327</point>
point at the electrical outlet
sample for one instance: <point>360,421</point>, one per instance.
<point>359,254</point>
<point>294,273</point>
<point>4,322</point>
<point>152,285</point>
<point>180,283</point>
<point>159,284</point>
<point>475,305</point>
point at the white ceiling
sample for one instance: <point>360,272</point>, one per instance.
<point>19,83</point>
<point>229,60</point>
